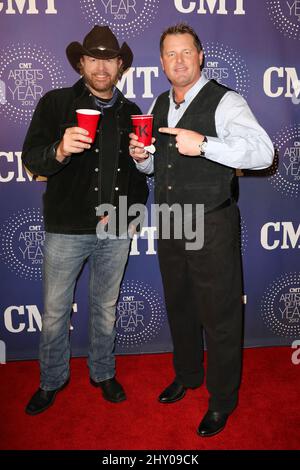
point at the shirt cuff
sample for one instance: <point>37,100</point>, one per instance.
<point>145,166</point>
<point>213,147</point>
<point>52,154</point>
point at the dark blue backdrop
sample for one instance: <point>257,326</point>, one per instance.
<point>251,46</point>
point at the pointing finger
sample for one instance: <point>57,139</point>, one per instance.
<point>169,130</point>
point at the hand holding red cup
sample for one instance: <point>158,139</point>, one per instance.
<point>88,119</point>
<point>142,127</point>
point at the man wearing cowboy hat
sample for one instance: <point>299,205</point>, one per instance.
<point>82,175</point>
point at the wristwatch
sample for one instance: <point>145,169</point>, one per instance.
<point>203,146</point>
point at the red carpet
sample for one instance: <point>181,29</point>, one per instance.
<point>268,416</point>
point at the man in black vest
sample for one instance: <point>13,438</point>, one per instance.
<point>82,176</point>
<point>203,131</point>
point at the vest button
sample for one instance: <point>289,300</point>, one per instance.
<point>97,150</point>
<point>170,144</point>
<point>169,165</point>
<point>96,189</point>
<point>169,188</point>
<point>96,170</point>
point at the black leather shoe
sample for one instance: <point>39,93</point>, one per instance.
<point>172,393</point>
<point>41,400</point>
<point>111,390</point>
<point>212,423</point>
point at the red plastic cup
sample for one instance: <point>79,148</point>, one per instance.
<point>142,127</point>
<point>88,119</point>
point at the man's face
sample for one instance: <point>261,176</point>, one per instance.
<point>180,60</point>
<point>100,74</point>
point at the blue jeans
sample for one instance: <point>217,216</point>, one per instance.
<point>64,256</point>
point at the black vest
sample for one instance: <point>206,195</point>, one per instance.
<point>190,180</point>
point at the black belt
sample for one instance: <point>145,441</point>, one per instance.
<point>224,204</point>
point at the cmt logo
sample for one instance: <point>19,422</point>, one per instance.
<point>214,71</point>
<point>20,318</point>
<point>209,6</point>
<point>29,7</point>
<point>280,81</point>
<point>145,73</point>
<point>12,169</point>
<point>281,235</point>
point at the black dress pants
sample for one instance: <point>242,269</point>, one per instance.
<point>203,291</point>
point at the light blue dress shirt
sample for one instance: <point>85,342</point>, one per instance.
<point>240,143</point>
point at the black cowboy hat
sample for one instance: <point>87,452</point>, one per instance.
<point>100,43</point>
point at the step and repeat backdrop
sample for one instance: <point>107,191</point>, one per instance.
<point>251,46</point>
